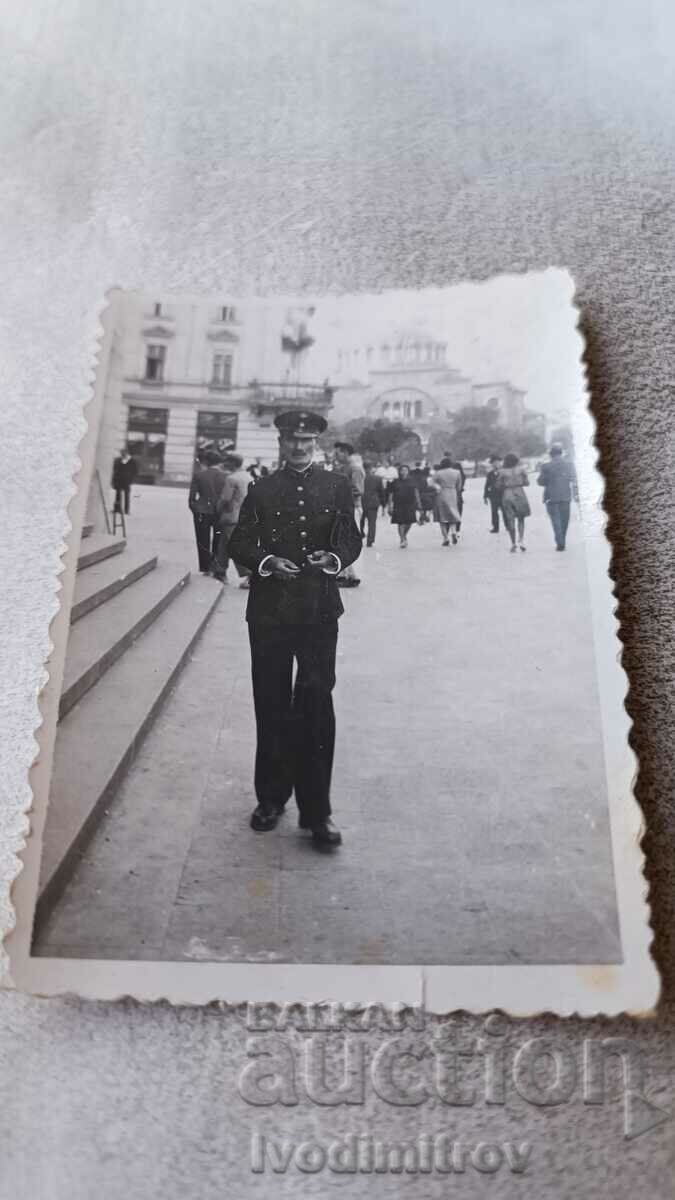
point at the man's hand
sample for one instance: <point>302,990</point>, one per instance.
<point>282,568</point>
<point>319,559</point>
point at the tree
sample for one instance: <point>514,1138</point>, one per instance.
<point>384,437</point>
<point>529,443</point>
<point>476,434</point>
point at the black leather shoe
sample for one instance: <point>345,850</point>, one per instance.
<point>325,835</point>
<point>265,817</point>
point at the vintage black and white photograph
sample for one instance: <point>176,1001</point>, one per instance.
<point>340,684</point>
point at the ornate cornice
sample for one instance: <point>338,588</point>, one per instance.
<point>158,331</point>
<point>222,335</point>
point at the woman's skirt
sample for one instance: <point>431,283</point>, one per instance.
<point>515,504</point>
<point>447,508</point>
<point>404,514</point>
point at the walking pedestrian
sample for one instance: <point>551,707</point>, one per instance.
<point>296,531</point>
<point>235,488</point>
<point>404,504</point>
<point>342,465</point>
<point>124,473</point>
<point>457,466</point>
<point>374,497</point>
<point>515,505</point>
<point>559,481</point>
<point>492,492</point>
<point>448,483</point>
<point>205,489</point>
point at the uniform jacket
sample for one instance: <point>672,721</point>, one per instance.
<point>289,514</point>
<point>493,487</point>
<point>205,489</point>
<point>558,479</point>
<point>124,473</point>
<point>232,496</point>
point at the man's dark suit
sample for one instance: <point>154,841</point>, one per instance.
<point>289,515</point>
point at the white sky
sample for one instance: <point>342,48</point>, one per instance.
<point>520,328</point>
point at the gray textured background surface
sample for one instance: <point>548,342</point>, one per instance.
<point>276,147</point>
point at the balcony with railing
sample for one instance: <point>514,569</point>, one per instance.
<point>269,398</point>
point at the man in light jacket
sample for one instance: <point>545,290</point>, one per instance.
<point>236,486</point>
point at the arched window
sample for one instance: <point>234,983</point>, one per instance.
<point>418,409</point>
<point>397,408</point>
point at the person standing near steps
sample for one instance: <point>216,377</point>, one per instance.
<point>296,532</point>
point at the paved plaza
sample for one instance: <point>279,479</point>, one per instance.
<point>468,783</point>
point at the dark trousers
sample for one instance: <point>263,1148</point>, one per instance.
<point>369,518</point>
<point>122,495</point>
<point>559,512</point>
<point>295,722</point>
<point>221,552</point>
<point>205,532</point>
<point>495,508</point>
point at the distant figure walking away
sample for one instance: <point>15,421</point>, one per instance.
<point>207,484</point>
<point>492,492</point>
<point>404,501</point>
<point>515,505</point>
<point>448,482</point>
<point>235,488</point>
<point>457,466</point>
<point>124,473</point>
<point>374,497</point>
<point>559,481</point>
<point>419,475</point>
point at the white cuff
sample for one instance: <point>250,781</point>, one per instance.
<point>326,570</point>
<point>265,574</point>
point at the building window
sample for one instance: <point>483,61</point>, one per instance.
<point>158,309</point>
<point>154,364</point>
<point>407,410</point>
<point>418,410</point>
<point>386,354</point>
<point>216,431</point>
<point>369,355</point>
<point>227,314</point>
<point>221,374</point>
<point>385,408</point>
<point>146,439</point>
<point>397,408</point>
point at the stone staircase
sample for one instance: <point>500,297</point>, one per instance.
<point>134,622</point>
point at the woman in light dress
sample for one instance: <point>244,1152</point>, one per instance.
<point>515,505</point>
<point>448,483</point>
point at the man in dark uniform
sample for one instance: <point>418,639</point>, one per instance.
<point>296,532</point>
<point>124,473</point>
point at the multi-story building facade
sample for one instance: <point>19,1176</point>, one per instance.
<point>191,375</point>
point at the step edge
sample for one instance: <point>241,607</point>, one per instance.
<point>88,558</point>
<point>90,677</point>
<point>88,603</point>
<point>53,887</point>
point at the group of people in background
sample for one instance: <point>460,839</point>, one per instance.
<point>408,495</point>
<point>219,485</point>
<point>504,491</point>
